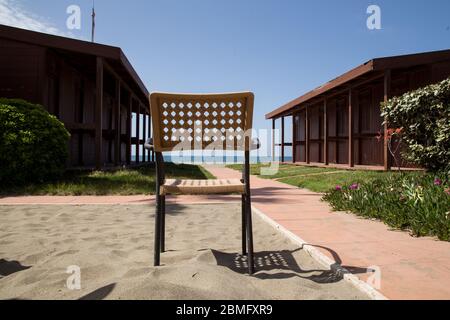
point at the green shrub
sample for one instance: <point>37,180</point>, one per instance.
<point>424,116</point>
<point>33,143</point>
<point>419,203</point>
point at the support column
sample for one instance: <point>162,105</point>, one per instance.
<point>146,152</point>
<point>129,126</point>
<point>351,158</point>
<point>79,117</point>
<point>273,139</point>
<point>387,93</point>
<point>325,133</point>
<point>138,139</point>
<point>147,130</point>
<point>144,132</point>
<point>149,135</point>
<point>282,139</point>
<point>118,144</point>
<point>98,114</point>
<point>294,139</point>
<point>307,135</point>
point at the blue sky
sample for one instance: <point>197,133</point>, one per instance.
<point>277,49</point>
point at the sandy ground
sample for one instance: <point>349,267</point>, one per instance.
<point>113,246</point>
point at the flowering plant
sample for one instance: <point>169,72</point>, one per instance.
<point>416,201</point>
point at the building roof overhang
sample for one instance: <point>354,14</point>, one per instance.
<point>373,67</point>
<point>114,55</point>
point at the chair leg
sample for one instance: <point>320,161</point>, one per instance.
<point>163,224</point>
<point>248,214</point>
<point>244,237</point>
<point>156,259</point>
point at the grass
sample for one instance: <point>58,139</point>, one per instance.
<point>284,170</point>
<point>319,179</point>
<point>325,182</point>
<point>122,182</point>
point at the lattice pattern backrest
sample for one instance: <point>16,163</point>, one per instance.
<point>191,121</point>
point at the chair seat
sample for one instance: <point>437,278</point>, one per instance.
<point>219,186</point>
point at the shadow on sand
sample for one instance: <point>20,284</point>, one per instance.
<point>100,293</point>
<point>283,265</point>
<point>10,267</point>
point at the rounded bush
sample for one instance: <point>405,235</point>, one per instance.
<point>33,143</point>
<point>424,118</point>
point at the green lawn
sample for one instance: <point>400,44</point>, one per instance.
<point>284,170</point>
<point>319,179</point>
<point>123,182</point>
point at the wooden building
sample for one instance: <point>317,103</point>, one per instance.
<point>339,122</point>
<point>91,88</point>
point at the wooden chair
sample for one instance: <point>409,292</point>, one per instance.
<point>202,122</point>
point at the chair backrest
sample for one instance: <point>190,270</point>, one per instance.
<point>201,121</point>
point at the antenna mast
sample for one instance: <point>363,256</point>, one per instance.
<point>93,21</point>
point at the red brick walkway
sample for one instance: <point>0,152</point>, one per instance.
<point>411,268</point>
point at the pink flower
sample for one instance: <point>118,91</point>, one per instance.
<point>338,188</point>
<point>354,186</point>
<point>447,191</point>
<point>437,182</point>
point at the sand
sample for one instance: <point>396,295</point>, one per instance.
<point>113,247</point>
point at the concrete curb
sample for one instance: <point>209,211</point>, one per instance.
<point>323,259</point>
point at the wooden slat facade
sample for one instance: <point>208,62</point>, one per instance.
<point>91,88</point>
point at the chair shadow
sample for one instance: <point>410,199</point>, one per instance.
<point>9,267</point>
<point>172,209</point>
<point>283,265</point>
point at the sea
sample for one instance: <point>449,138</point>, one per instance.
<point>219,159</point>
